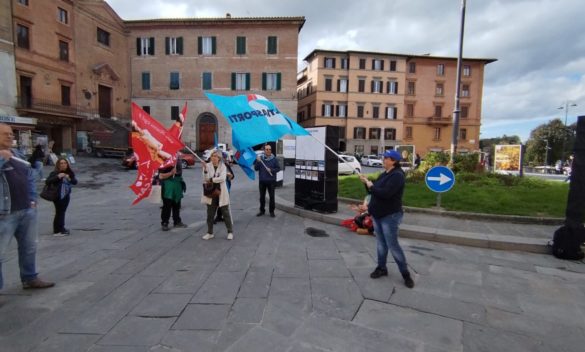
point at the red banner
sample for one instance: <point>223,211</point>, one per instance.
<point>177,128</point>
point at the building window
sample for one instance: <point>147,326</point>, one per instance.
<point>146,109</point>
<point>327,110</point>
<point>206,45</point>
<point>62,15</point>
<point>376,86</point>
<point>345,63</point>
<point>409,110</point>
<point>359,133</point>
<point>328,84</point>
<point>175,81</point>
<point>272,45</point>
<point>438,110</point>
<point>375,111</point>
<point>362,64</point>
<point>390,134</point>
<point>412,67</point>
<point>103,37</point>
<point>241,45</point>
<point>206,81</point>
<point>145,46</point>
<point>240,81</point>
<point>377,65</point>
<point>374,150</point>
<point>360,111</point>
<point>465,91</point>
<point>466,70</point>
<point>464,111</point>
<point>174,45</point>
<point>392,87</point>
<point>374,133</point>
<point>463,134</point>
<point>23,2</point>
<point>409,132</point>
<point>341,110</point>
<point>358,149</point>
<point>175,113</point>
<point>440,70</point>
<point>342,85</point>
<point>329,62</point>
<point>439,89</point>
<point>309,110</point>
<point>22,36</point>
<point>411,88</point>
<point>437,134</point>
<point>65,95</point>
<point>63,51</point>
<point>145,80</point>
<point>361,85</point>
<point>391,112</point>
<point>392,65</point>
<point>271,81</point>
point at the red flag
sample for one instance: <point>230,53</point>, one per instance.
<point>153,146</point>
<point>177,127</point>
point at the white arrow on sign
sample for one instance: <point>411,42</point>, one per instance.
<point>442,178</point>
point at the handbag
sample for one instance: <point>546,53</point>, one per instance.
<point>50,192</point>
<point>211,190</point>
<point>155,196</point>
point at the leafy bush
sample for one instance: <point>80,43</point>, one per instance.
<point>433,159</point>
<point>466,162</point>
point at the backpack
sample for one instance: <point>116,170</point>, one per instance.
<point>567,243</point>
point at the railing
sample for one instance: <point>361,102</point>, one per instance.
<point>50,106</point>
<point>439,120</point>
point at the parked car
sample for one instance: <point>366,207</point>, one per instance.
<point>344,169</point>
<point>371,160</point>
<point>187,159</point>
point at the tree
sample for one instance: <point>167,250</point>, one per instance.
<point>487,145</point>
<point>555,133</point>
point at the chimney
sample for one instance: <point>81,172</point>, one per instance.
<point>227,15</point>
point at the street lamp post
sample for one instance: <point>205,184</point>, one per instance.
<point>566,107</point>
<point>546,156</point>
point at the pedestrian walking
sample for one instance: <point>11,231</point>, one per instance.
<point>228,181</point>
<point>172,185</point>
<point>63,178</point>
<point>18,211</point>
<point>267,167</point>
<point>385,207</point>
<point>417,161</point>
<point>214,173</point>
<point>36,161</point>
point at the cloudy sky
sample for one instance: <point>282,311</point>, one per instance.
<point>539,44</point>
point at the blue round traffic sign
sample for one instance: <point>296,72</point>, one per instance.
<point>440,179</point>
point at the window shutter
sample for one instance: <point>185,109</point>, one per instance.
<point>247,81</point>
<point>373,64</point>
<point>386,114</point>
<point>167,45</point>
<point>233,79</point>
<point>138,46</point>
<point>199,45</point>
<point>213,45</point>
<point>339,85</point>
<point>372,87</point>
<point>337,110</point>
<point>382,65</point>
<point>278,80</point>
<point>388,86</point>
<point>180,45</point>
<point>392,65</point>
<point>395,87</point>
<point>263,80</point>
<point>395,112</point>
<point>333,62</point>
<point>151,46</point>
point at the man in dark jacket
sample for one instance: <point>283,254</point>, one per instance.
<point>267,167</point>
<point>18,211</point>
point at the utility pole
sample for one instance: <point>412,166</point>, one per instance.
<point>566,107</point>
<point>457,110</point>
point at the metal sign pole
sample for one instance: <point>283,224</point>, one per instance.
<point>438,200</point>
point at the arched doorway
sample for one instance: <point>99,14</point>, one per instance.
<point>206,128</point>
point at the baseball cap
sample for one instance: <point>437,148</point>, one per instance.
<point>392,154</point>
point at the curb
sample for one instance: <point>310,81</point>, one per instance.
<point>470,239</point>
<point>517,219</point>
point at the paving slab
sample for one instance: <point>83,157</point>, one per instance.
<point>137,331</point>
<point>203,317</point>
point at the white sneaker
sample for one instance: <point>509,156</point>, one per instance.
<point>208,236</point>
<point>230,236</point>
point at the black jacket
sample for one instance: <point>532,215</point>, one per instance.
<point>387,193</point>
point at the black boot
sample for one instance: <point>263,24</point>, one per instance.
<point>408,282</point>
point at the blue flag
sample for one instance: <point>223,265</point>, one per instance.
<point>254,119</point>
<point>246,160</point>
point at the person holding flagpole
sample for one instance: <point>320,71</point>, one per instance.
<point>267,167</point>
<point>215,171</point>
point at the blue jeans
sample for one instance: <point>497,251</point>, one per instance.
<point>386,230</point>
<point>38,166</point>
<point>21,224</point>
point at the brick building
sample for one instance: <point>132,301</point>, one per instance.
<point>176,60</point>
<point>380,100</point>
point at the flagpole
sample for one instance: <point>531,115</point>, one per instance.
<point>332,151</point>
<point>195,154</point>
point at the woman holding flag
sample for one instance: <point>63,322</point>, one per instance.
<point>215,171</point>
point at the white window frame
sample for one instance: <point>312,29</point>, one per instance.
<point>328,62</point>
<point>144,46</point>
<point>440,70</point>
<point>342,110</point>
<point>206,45</point>
<point>393,87</point>
<point>343,85</point>
<point>377,85</point>
<point>437,134</point>
<point>439,89</point>
<point>377,64</point>
<point>241,81</point>
<point>390,115</point>
<point>465,92</point>
<point>466,70</point>
<point>328,109</point>
<point>173,46</point>
<point>345,63</point>
<point>62,15</point>
<point>271,81</point>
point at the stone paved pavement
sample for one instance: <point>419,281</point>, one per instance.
<point>124,285</point>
